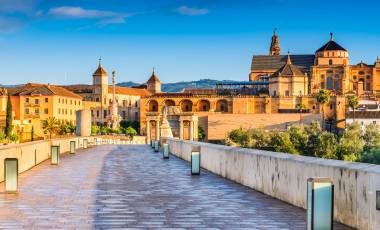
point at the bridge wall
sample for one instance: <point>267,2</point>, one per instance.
<point>284,177</point>
<point>31,154</point>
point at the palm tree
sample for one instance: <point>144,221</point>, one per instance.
<point>323,97</point>
<point>353,102</point>
<point>300,107</point>
<point>50,125</point>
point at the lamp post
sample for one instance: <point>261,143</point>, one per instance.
<point>196,160</point>
<point>11,175</point>
<point>320,203</point>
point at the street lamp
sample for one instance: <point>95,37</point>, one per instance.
<point>195,160</point>
<point>11,175</point>
<point>320,203</point>
<point>55,154</point>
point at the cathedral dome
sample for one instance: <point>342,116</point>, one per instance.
<point>332,50</point>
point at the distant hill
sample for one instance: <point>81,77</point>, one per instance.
<point>179,86</point>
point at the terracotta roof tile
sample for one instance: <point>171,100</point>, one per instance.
<point>41,89</point>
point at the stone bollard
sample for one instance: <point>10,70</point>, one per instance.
<point>11,175</point>
<point>195,160</point>
<point>165,153</point>
<point>85,143</point>
<point>156,146</point>
<point>72,147</point>
<point>55,151</point>
<point>320,203</point>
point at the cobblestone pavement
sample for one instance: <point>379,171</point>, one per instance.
<point>131,187</point>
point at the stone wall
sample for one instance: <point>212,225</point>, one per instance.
<point>220,124</point>
<point>284,177</point>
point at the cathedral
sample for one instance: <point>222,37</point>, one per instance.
<point>328,68</point>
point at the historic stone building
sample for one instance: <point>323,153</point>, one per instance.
<point>110,103</point>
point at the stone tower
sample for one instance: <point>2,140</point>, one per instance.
<point>154,84</point>
<point>100,83</point>
<point>275,45</point>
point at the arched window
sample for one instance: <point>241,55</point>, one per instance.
<point>186,105</point>
<point>329,83</point>
<point>153,106</point>
<point>330,62</point>
<point>203,105</point>
<point>222,106</point>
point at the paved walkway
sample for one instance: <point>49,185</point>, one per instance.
<point>131,187</point>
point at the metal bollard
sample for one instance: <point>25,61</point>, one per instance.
<point>196,160</point>
<point>72,147</point>
<point>55,151</point>
<point>165,153</point>
<point>11,175</point>
<point>320,203</point>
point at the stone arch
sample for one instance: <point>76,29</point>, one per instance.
<point>203,105</point>
<point>153,106</point>
<point>222,105</point>
<point>186,105</point>
<point>169,102</point>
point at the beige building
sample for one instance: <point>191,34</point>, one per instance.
<point>32,103</point>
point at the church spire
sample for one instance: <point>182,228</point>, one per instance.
<point>289,61</point>
<point>275,45</point>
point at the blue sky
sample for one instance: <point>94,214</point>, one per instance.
<point>59,41</point>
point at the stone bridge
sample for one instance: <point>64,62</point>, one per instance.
<point>132,187</point>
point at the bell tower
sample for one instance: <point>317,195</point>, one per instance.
<point>275,45</point>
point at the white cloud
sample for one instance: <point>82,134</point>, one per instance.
<point>79,12</point>
<point>189,11</point>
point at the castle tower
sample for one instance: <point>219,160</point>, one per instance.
<point>154,84</point>
<point>275,45</point>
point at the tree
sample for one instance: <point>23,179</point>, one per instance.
<point>259,138</point>
<point>130,131</point>
<point>300,107</point>
<point>201,134</point>
<point>353,102</point>
<point>239,136</point>
<point>351,143</point>
<point>50,126</point>
<point>372,157</point>
<point>323,97</point>
<point>8,119</point>
<point>95,129</point>
<point>280,142</point>
<point>327,146</point>
<point>371,137</point>
<point>299,137</point>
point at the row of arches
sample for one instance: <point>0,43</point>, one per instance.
<point>187,105</point>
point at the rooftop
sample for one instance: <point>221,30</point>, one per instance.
<point>32,89</point>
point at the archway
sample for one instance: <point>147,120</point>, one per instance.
<point>204,105</point>
<point>222,106</point>
<point>153,106</point>
<point>169,103</point>
<point>186,105</point>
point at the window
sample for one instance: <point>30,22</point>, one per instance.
<point>330,62</point>
<point>37,111</point>
<point>274,93</point>
<point>71,102</point>
<point>287,93</point>
<point>322,85</point>
<point>97,113</point>
<point>27,100</point>
<point>136,104</point>
<point>59,111</point>
<point>46,99</point>
<point>36,101</point>
<point>361,72</point>
<point>368,77</point>
<point>46,111</point>
<point>105,114</point>
<point>26,111</point>
<point>136,116</point>
<point>355,78</point>
<point>59,100</point>
<point>368,86</point>
<point>124,115</point>
<point>97,99</point>
<point>329,83</point>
